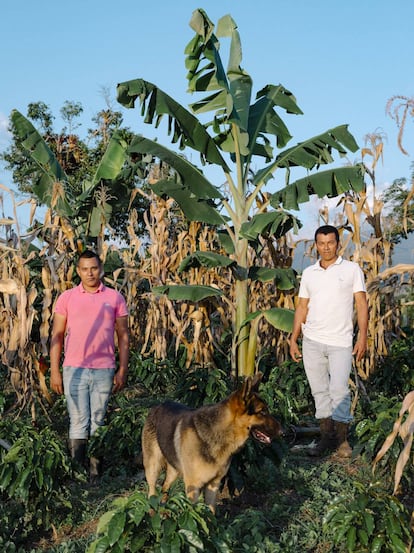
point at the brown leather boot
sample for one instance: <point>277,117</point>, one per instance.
<point>344,450</point>
<point>327,442</point>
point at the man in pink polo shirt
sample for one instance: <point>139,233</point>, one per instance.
<point>328,291</point>
<point>86,319</point>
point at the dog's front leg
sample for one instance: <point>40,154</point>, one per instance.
<point>192,491</point>
<point>210,493</point>
<point>170,476</point>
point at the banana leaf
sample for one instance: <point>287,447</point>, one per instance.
<point>205,259</point>
<point>50,171</point>
<point>188,292</point>
<point>278,317</point>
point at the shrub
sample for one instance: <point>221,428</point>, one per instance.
<point>258,538</point>
<point>202,385</point>
<point>369,520</point>
<point>158,378</point>
<point>395,374</point>
<point>136,523</point>
<point>373,431</point>
<point>120,439</point>
<point>287,392</point>
<point>34,472</point>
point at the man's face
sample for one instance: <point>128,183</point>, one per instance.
<point>327,246</point>
<point>89,271</point>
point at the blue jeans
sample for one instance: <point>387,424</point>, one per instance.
<point>87,393</point>
<point>328,369</point>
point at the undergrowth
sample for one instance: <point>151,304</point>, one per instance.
<point>274,499</point>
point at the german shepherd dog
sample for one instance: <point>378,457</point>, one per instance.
<point>198,444</point>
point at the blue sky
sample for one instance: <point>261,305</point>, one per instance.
<point>342,60</point>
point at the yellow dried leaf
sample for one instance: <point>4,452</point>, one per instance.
<point>9,286</point>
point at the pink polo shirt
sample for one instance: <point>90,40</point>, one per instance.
<point>90,326</point>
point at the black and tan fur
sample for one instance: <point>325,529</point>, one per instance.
<point>198,444</point>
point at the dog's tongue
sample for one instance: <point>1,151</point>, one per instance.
<point>260,436</point>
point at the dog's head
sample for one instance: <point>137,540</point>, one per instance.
<point>262,426</point>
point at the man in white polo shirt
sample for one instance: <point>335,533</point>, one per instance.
<point>324,315</point>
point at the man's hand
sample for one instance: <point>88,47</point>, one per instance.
<point>295,352</point>
<point>56,382</point>
<point>360,348</point>
<point>120,380</point>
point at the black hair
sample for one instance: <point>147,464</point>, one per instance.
<point>89,254</point>
<point>327,229</point>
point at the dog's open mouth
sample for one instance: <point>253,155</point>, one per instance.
<point>260,436</point>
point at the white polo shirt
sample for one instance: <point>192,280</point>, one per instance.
<point>331,301</point>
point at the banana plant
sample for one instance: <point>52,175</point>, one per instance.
<point>233,131</point>
<point>88,211</point>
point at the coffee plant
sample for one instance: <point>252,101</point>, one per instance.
<point>136,523</point>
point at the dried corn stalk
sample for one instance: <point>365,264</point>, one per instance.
<point>405,431</point>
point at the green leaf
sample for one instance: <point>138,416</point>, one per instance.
<point>49,168</point>
<point>99,218</point>
<point>263,119</point>
<point>273,224</point>
<point>24,480</point>
<point>192,538</point>
<point>112,161</point>
<point>191,177</point>
<point>187,292</point>
<point>100,545</point>
<point>225,241</point>
<point>280,318</point>
<point>362,536</point>
<point>377,543</point>
<point>351,539</point>
<point>240,82</point>
<point>6,476</point>
<point>205,259</point>
<point>330,183</point>
<point>104,522</point>
<point>13,454</point>
<point>39,477</point>
<point>194,208</point>
<point>116,526</point>
<point>311,153</point>
<point>183,125</point>
<point>369,522</point>
<point>285,279</point>
<point>398,545</point>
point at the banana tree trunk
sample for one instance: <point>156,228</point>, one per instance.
<point>243,356</point>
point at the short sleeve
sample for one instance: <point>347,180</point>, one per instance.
<point>303,287</point>
<point>121,307</point>
<point>61,305</point>
<point>359,280</point>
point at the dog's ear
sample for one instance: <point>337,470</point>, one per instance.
<point>251,384</point>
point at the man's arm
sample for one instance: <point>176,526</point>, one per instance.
<point>361,305</point>
<point>122,332</point>
<point>56,345</point>
<point>300,317</point>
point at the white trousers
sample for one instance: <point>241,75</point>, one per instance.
<point>328,369</point>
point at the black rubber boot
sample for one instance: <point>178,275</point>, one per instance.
<point>327,442</point>
<point>77,448</point>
